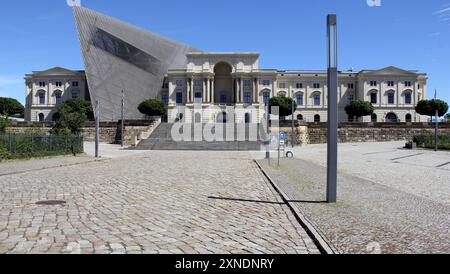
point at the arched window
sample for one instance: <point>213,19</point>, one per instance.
<point>247,118</point>
<point>374,97</point>
<point>300,99</point>
<point>374,118</point>
<point>282,94</point>
<point>58,97</point>
<point>41,98</point>
<point>317,118</point>
<point>408,98</point>
<point>266,98</point>
<point>300,117</point>
<point>317,99</point>
<point>391,98</point>
<point>41,117</point>
<point>408,118</point>
<point>391,118</point>
<point>56,117</point>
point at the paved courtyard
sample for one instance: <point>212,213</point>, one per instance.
<point>152,202</point>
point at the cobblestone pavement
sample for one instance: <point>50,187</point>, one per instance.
<point>155,202</point>
<point>370,216</point>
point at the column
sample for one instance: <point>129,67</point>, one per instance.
<point>242,90</point>
<point>255,90</point>
<point>208,90</point>
<point>233,87</point>
<point>192,90</point>
<point>213,95</point>
<point>188,91</point>
<point>204,91</point>
<point>239,90</point>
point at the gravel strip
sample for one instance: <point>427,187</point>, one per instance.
<point>369,217</point>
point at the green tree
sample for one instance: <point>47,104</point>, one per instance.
<point>359,108</point>
<point>429,107</point>
<point>153,107</point>
<point>72,116</point>
<point>10,106</point>
<point>284,104</point>
<point>77,106</point>
<point>4,123</point>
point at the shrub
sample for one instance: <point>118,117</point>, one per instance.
<point>427,141</point>
<point>4,123</point>
<point>284,104</point>
<point>72,115</point>
<point>429,107</point>
<point>359,108</point>
<point>153,107</point>
<point>77,106</point>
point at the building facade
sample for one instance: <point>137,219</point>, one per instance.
<point>45,90</point>
<point>218,80</point>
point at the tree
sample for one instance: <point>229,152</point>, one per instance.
<point>359,108</point>
<point>429,107</point>
<point>284,104</point>
<point>77,106</point>
<point>72,116</point>
<point>10,106</point>
<point>153,107</point>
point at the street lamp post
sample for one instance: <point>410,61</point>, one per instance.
<point>332,108</point>
<point>97,128</point>
<point>292,123</point>
<point>122,122</point>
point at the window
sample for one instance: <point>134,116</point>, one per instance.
<point>247,83</point>
<point>41,98</point>
<point>179,98</point>
<point>350,98</point>
<point>374,118</point>
<point>266,98</point>
<point>58,98</point>
<point>58,84</point>
<point>351,86</point>
<point>198,95</point>
<point>317,118</point>
<point>179,83</point>
<point>247,97</point>
<point>223,99</point>
<point>408,98</point>
<point>247,118</point>
<point>198,83</point>
<point>408,118</point>
<point>41,84</point>
<point>373,98</point>
<point>408,84</point>
<point>41,117</point>
<point>165,85</point>
<point>75,84</point>
<point>390,83</point>
<point>165,99</point>
<point>391,98</point>
<point>316,85</point>
<point>317,99</point>
<point>75,95</point>
<point>282,85</point>
<point>373,83</point>
<point>266,82</point>
<point>300,99</point>
<point>282,94</point>
<point>300,117</point>
<point>299,85</point>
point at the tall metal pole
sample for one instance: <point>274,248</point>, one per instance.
<point>436,129</point>
<point>332,108</point>
<point>122,122</point>
<point>267,133</point>
<point>97,128</point>
<point>292,124</point>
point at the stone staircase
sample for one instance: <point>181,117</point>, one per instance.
<point>161,139</point>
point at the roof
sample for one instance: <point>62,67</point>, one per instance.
<point>58,71</point>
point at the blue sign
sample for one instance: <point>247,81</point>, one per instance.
<point>282,136</point>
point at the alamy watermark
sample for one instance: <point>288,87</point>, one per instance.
<point>374,3</point>
<point>73,3</point>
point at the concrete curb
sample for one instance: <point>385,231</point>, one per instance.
<point>317,238</point>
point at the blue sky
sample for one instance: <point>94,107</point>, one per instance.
<point>289,34</point>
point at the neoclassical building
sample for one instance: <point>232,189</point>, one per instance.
<point>45,90</point>
<point>235,79</point>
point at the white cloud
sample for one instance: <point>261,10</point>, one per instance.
<point>442,11</point>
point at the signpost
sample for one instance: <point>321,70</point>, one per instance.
<point>436,130</point>
<point>332,41</point>
<point>281,143</point>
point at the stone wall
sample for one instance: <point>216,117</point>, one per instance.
<point>362,132</point>
<point>109,132</point>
